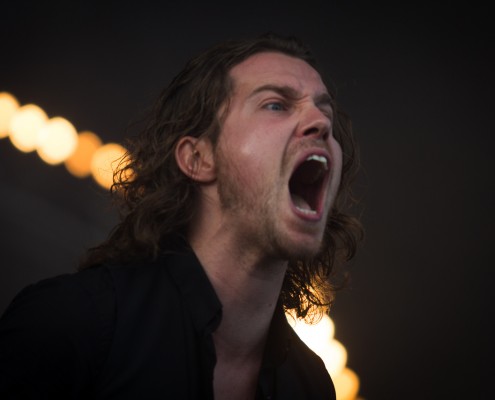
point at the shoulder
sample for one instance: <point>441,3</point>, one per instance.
<point>84,298</point>
<point>57,332</point>
<point>67,310</point>
<point>62,294</point>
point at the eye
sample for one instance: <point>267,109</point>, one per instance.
<point>275,106</point>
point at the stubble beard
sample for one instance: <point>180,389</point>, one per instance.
<point>256,208</point>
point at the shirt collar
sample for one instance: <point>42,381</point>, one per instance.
<point>195,288</point>
<point>279,339</point>
<point>206,310</point>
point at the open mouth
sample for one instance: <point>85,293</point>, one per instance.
<point>306,185</point>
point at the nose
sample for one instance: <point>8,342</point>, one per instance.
<point>315,123</point>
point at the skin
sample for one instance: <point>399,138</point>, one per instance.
<point>278,114</point>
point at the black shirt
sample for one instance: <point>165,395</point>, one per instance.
<point>139,331</point>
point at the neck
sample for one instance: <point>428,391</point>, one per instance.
<point>248,288</point>
<point>248,284</point>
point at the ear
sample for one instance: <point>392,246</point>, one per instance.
<point>194,156</point>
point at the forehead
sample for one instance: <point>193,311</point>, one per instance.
<point>277,68</point>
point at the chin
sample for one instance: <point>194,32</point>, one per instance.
<point>302,249</point>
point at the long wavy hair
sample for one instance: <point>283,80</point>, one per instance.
<point>156,201</point>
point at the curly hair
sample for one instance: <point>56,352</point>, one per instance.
<point>157,201</point>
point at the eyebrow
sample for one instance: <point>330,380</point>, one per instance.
<point>322,100</point>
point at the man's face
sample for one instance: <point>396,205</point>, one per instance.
<point>279,166</point>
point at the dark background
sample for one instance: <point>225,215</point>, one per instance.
<point>417,82</point>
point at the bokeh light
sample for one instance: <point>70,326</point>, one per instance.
<point>8,105</point>
<point>79,163</point>
<point>316,336</point>
<point>346,385</point>
<point>319,337</point>
<point>334,355</point>
<point>25,125</point>
<point>105,161</point>
<point>57,140</point>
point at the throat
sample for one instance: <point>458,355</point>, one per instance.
<point>301,204</point>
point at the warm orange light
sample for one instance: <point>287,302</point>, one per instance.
<point>57,140</point>
<point>346,385</point>
<point>319,337</point>
<point>8,105</point>
<point>334,355</point>
<point>25,125</point>
<point>104,162</point>
<point>79,163</point>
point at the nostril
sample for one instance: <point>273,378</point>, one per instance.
<point>317,131</point>
<point>311,131</point>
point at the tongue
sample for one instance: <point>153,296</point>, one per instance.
<point>300,203</point>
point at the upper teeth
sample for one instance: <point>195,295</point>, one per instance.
<point>321,159</point>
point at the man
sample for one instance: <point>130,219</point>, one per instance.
<point>231,202</point>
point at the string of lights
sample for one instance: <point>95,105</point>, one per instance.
<point>57,141</point>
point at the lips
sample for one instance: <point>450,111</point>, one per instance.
<point>307,185</point>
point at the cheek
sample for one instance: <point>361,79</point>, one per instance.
<point>236,163</point>
<point>252,154</point>
<point>253,146</point>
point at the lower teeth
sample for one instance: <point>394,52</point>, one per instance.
<point>306,211</point>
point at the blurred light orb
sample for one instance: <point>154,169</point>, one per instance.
<point>316,336</point>
<point>57,140</point>
<point>346,385</point>
<point>319,337</point>
<point>25,125</point>
<point>79,163</point>
<point>8,106</point>
<point>335,357</point>
<point>104,162</point>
